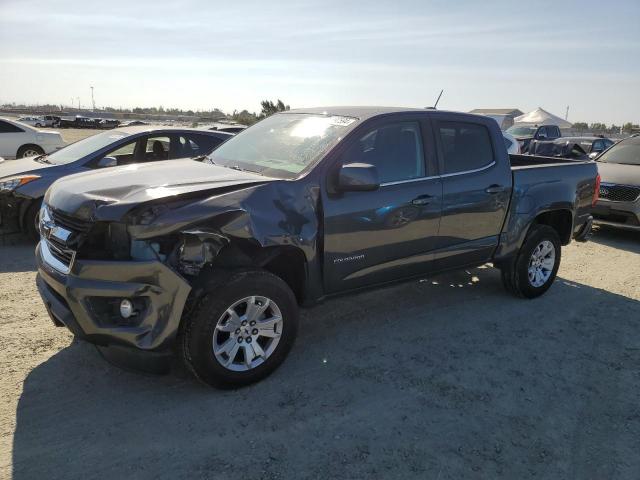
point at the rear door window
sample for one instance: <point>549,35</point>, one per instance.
<point>465,146</point>
<point>157,148</point>
<point>6,127</point>
<point>193,145</point>
<point>598,146</point>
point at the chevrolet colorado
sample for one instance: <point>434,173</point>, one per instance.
<point>214,257</point>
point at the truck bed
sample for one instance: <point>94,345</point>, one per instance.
<point>528,161</point>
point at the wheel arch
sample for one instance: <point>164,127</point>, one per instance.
<point>285,261</point>
<point>561,220</point>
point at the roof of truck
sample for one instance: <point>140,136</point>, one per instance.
<point>363,113</point>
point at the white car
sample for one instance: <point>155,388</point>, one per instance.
<point>33,121</point>
<point>18,140</point>
<point>512,144</point>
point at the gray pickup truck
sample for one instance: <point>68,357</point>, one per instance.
<point>214,257</point>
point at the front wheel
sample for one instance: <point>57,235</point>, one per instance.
<point>32,220</point>
<point>241,330</point>
<point>536,266</point>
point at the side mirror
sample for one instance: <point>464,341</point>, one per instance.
<point>358,177</point>
<point>105,162</point>
<point>593,155</point>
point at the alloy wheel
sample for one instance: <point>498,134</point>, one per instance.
<point>247,333</point>
<point>541,263</point>
<point>30,153</point>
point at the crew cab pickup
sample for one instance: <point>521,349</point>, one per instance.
<point>215,256</point>
<point>529,134</point>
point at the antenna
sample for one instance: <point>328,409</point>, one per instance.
<point>438,100</point>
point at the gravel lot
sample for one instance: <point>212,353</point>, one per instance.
<point>445,378</point>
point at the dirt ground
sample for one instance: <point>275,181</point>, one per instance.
<point>445,378</point>
<point>70,135</point>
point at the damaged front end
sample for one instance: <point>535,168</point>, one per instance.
<point>123,281</point>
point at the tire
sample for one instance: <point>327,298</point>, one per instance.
<point>29,151</point>
<point>31,219</point>
<point>209,328</point>
<point>516,273</point>
<point>38,125</point>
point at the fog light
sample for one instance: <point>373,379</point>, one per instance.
<point>126,308</point>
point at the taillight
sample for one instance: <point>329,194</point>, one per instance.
<point>596,192</point>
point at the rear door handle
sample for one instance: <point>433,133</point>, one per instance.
<point>493,189</point>
<point>422,200</point>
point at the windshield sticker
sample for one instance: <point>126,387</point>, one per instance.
<point>341,121</point>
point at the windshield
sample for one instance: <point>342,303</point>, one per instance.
<point>626,152</point>
<point>282,145</point>
<point>84,147</point>
<point>522,131</point>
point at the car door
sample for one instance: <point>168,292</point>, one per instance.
<point>476,191</point>
<point>12,138</point>
<point>386,234</point>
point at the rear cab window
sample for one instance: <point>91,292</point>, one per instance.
<point>465,146</point>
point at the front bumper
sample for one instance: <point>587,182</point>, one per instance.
<point>82,299</point>
<point>617,214</point>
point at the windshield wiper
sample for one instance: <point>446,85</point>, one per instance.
<point>240,169</point>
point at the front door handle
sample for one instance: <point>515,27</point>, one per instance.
<point>422,200</point>
<point>493,189</point>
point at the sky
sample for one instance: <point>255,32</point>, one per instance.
<point>199,54</point>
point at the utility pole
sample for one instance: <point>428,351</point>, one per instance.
<point>93,102</point>
<point>566,115</point>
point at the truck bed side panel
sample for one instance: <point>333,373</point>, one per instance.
<point>565,186</point>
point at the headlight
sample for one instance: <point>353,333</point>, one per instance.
<point>10,184</point>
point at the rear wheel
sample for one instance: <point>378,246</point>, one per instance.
<point>241,331</point>
<point>29,151</point>
<point>535,268</point>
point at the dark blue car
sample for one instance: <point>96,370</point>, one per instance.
<point>24,182</point>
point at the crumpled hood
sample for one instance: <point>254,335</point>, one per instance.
<point>109,193</point>
<point>10,168</point>
<point>619,173</point>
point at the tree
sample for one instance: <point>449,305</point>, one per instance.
<point>629,127</point>
<point>244,117</point>
<point>598,126</point>
<point>580,125</point>
<point>269,108</point>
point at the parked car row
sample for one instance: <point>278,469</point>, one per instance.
<point>41,121</point>
<point>86,122</point>
<point>216,255</point>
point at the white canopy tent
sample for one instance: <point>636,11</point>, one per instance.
<point>541,117</point>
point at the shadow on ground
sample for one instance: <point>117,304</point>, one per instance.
<point>617,238</point>
<point>444,378</point>
<point>17,255</point>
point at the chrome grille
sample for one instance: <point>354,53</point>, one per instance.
<point>57,232</point>
<point>69,222</point>
<point>619,193</point>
